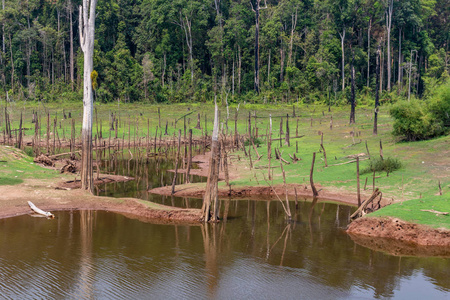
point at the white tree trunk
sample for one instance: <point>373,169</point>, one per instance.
<point>72,77</point>
<point>343,57</point>
<point>3,31</point>
<point>87,31</point>
<point>389,11</point>
<point>291,43</point>
<point>399,77</point>
<point>368,51</point>
<point>210,207</point>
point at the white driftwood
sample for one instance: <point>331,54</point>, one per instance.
<point>435,212</point>
<point>40,211</point>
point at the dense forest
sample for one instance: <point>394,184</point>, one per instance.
<point>257,51</point>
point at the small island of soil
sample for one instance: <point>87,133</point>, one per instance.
<point>398,237</point>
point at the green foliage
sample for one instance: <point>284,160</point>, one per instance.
<point>256,141</point>
<point>420,120</point>
<point>299,48</point>
<point>387,165</point>
<point>413,121</point>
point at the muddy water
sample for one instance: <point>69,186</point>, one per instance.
<point>148,174</point>
<point>252,254</point>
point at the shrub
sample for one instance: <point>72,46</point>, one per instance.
<point>413,121</point>
<point>387,165</point>
<point>256,141</point>
<point>419,119</point>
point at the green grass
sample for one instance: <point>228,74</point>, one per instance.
<point>15,166</point>
<point>411,211</point>
<point>424,163</point>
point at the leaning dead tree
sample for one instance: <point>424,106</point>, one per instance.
<point>210,208</point>
<point>87,31</point>
<point>363,208</point>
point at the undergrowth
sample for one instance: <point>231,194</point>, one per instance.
<point>387,165</point>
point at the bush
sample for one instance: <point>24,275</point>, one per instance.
<point>387,165</point>
<point>421,120</point>
<point>256,141</point>
<point>413,121</point>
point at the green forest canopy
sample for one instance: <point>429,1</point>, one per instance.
<point>176,51</point>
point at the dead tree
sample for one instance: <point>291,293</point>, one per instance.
<point>311,180</point>
<point>353,99</point>
<point>256,8</point>
<point>87,31</point>
<point>377,93</point>
<point>210,207</point>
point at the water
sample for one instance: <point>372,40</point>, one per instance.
<point>151,174</point>
<point>252,254</point>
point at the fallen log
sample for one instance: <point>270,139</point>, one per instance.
<point>361,211</point>
<point>435,212</point>
<point>45,160</point>
<point>40,211</point>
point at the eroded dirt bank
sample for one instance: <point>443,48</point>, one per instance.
<point>259,191</point>
<point>13,202</point>
<point>367,230</point>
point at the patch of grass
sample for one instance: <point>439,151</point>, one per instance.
<point>411,211</point>
<point>10,181</point>
<point>15,166</point>
<point>387,165</point>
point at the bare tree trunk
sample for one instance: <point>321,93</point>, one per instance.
<point>164,69</point>
<point>291,43</point>
<point>239,69</point>
<point>368,51</point>
<point>256,9</point>
<point>282,56</point>
<point>72,71</point>
<point>3,30</point>
<point>389,11</point>
<point>210,207</point>
<point>186,24</point>
<point>268,69</point>
<point>353,99</point>
<point>343,58</point>
<point>87,32</point>
<point>377,93</point>
<point>381,69</point>
<point>257,48</point>
<point>399,77</point>
<point>177,158</point>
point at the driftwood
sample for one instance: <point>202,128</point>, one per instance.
<point>294,158</point>
<point>278,156</point>
<point>40,211</point>
<point>361,211</point>
<point>435,212</point>
<point>294,137</point>
<point>69,167</point>
<point>62,154</point>
<point>45,160</point>
<point>348,162</point>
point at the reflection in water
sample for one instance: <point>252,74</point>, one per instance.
<point>86,261</point>
<point>148,174</point>
<point>252,253</point>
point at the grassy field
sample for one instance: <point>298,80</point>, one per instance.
<point>425,163</point>
<point>16,166</point>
